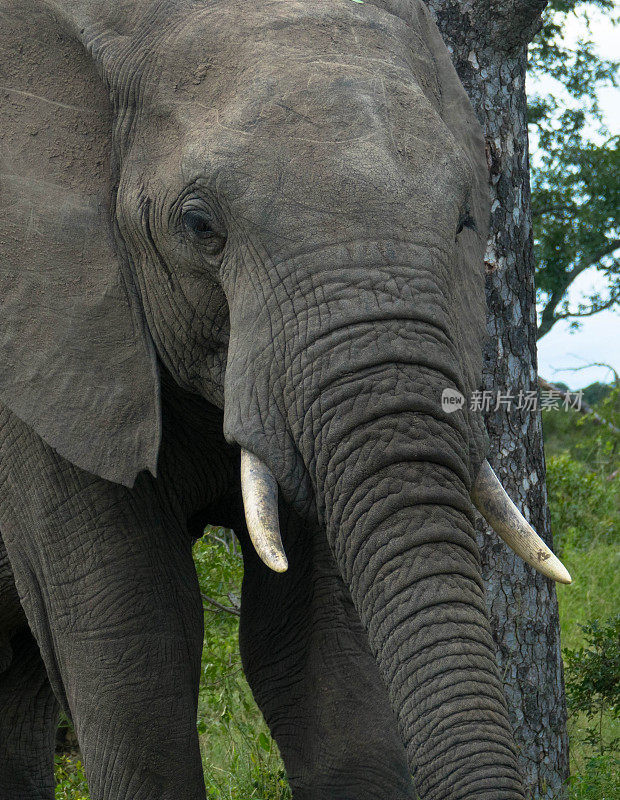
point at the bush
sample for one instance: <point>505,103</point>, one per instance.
<point>70,779</point>
<point>597,392</point>
<point>593,679</point>
<point>598,780</point>
<point>583,504</point>
<point>579,436</point>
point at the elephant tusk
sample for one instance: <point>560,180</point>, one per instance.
<point>504,517</point>
<point>260,501</point>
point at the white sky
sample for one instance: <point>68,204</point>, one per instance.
<point>598,338</point>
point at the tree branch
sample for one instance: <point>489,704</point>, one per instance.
<point>514,22</point>
<point>594,308</point>
<point>610,246</point>
<point>549,317</point>
<point>591,364</point>
<point>215,604</point>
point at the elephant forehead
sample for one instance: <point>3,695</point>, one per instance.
<point>324,101</point>
<point>331,132</point>
<point>332,27</point>
<point>208,55</point>
<point>338,101</point>
<point>307,70</point>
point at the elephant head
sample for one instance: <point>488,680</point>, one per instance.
<point>285,205</point>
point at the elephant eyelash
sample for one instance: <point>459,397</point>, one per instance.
<point>195,202</point>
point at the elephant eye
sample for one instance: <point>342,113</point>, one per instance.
<point>466,221</point>
<point>197,223</point>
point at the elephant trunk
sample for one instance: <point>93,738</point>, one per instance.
<point>335,381</point>
<point>399,520</point>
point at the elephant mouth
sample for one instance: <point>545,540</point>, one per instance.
<point>260,500</point>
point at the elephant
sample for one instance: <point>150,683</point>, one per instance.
<point>241,259</point>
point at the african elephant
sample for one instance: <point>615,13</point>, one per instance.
<point>250,231</point>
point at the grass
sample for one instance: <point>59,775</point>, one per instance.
<point>594,594</point>
<point>596,779</point>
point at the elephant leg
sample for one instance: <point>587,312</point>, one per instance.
<point>28,708</point>
<point>28,722</point>
<point>307,660</point>
<point>107,581</point>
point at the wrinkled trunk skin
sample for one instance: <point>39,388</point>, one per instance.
<point>390,473</point>
<point>399,521</point>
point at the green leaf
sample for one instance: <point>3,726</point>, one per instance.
<point>575,178</point>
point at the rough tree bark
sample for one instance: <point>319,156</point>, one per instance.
<point>488,42</point>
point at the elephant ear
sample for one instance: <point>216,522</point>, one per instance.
<point>76,361</point>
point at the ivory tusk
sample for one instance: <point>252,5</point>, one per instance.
<point>260,500</point>
<point>504,517</point>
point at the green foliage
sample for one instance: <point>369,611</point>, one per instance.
<point>583,504</point>
<point>594,595</point>
<point>579,69</point>
<point>579,436</point>
<point>576,211</point>
<point>575,180</point>
<point>584,501</point>
<point>598,780</point>
<point>241,759</point>
<point>220,571</point>
<point>593,679</point>
<point>70,779</point>
<point>596,392</point>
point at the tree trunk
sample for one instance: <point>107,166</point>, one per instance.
<point>488,43</point>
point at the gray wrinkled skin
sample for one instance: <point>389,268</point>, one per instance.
<point>223,225</point>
